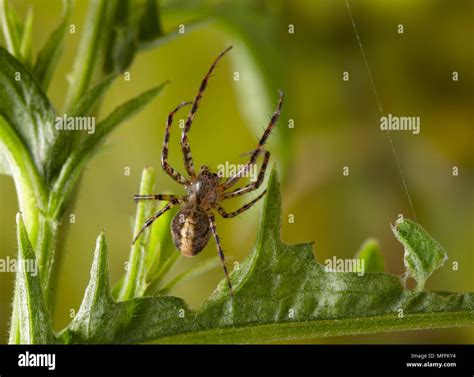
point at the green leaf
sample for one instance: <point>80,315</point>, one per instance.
<point>162,254</point>
<point>119,115</point>
<point>150,26</point>
<point>134,284</point>
<point>34,318</point>
<point>280,292</point>
<point>76,161</point>
<point>370,253</point>
<point>423,254</point>
<point>49,55</point>
<point>97,299</point>
<point>27,109</point>
<point>26,50</point>
<point>12,30</point>
<point>123,39</point>
<point>83,69</point>
<point>133,24</point>
<point>93,97</point>
<point>153,255</point>
<point>100,319</point>
<point>28,183</point>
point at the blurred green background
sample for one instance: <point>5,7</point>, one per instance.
<point>336,124</point>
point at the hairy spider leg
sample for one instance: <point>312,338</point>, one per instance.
<point>152,219</point>
<point>167,197</point>
<point>212,223</point>
<point>233,180</point>
<point>244,208</point>
<point>164,153</point>
<point>253,185</point>
<point>185,147</point>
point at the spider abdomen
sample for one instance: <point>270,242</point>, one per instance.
<point>190,230</point>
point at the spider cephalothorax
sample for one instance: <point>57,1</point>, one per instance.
<point>193,225</point>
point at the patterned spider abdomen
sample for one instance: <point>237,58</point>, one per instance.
<point>190,230</point>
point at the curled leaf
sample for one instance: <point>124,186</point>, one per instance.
<point>423,254</point>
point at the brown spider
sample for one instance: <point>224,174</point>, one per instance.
<point>192,226</point>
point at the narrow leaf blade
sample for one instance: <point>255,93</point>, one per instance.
<point>75,163</point>
<point>11,29</point>
<point>35,320</point>
<point>97,299</point>
<point>49,55</point>
<point>93,97</point>
<point>134,284</point>
<point>26,50</point>
<point>87,53</point>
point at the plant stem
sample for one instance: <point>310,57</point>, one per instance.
<point>323,328</point>
<point>134,282</point>
<point>87,54</point>
<point>46,248</point>
<point>29,185</point>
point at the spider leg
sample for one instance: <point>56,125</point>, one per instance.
<point>152,219</point>
<point>251,186</point>
<point>228,215</point>
<point>166,197</point>
<point>185,147</point>
<point>164,153</point>
<point>233,180</point>
<point>212,223</point>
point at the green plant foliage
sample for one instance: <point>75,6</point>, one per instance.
<point>423,254</point>
<point>73,166</point>
<point>12,29</point>
<point>101,320</point>
<point>45,162</point>
<point>25,107</point>
<point>281,292</point>
<point>135,283</point>
<point>372,256</point>
<point>49,55</point>
<point>35,321</point>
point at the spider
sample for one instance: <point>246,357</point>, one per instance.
<point>192,226</point>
